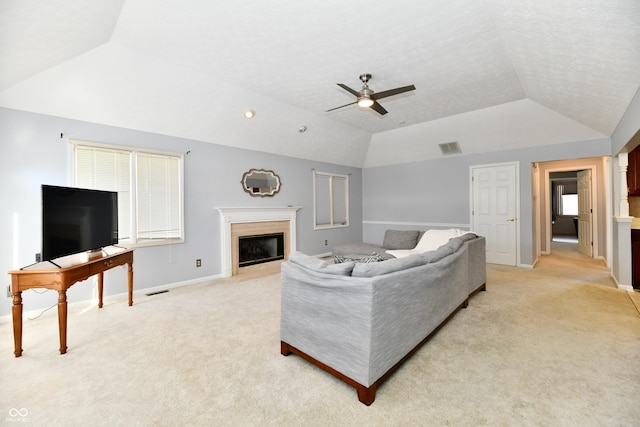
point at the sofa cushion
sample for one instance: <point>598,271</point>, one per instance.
<point>437,255</point>
<point>455,243</point>
<point>400,239</point>
<point>320,266</point>
<point>387,266</point>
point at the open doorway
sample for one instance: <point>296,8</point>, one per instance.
<point>571,211</point>
<point>563,188</point>
<point>557,219</point>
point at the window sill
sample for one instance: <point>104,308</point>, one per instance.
<point>326,227</point>
<point>148,243</point>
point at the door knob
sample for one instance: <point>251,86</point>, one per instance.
<point>511,219</point>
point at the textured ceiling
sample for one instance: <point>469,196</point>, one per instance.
<point>577,58</point>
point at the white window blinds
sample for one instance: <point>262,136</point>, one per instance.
<point>149,186</point>
<point>158,195</point>
<point>105,169</point>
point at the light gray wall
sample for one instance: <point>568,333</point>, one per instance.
<point>436,192</point>
<point>32,153</point>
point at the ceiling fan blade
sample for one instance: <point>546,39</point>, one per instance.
<point>345,105</point>
<point>348,89</point>
<point>378,108</point>
<point>391,92</point>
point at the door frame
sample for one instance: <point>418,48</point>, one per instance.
<point>594,208</point>
<point>516,164</point>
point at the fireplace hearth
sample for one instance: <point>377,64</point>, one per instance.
<point>258,249</point>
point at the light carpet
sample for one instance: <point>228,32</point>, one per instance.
<point>554,346</point>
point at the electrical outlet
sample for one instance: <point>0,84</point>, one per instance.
<point>8,291</point>
<point>198,263</point>
<point>326,242</point>
<point>38,257</point>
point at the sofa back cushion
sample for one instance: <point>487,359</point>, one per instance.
<point>388,266</point>
<point>437,254</point>
<point>320,266</point>
<point>451,247</point>
<point>400,239</point>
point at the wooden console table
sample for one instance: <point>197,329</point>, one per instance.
<point>45,275</point>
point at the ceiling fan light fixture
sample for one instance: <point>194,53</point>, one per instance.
<point>365,97</point>
<point>365,102</point>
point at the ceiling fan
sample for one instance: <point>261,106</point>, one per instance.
<point>366,98</point>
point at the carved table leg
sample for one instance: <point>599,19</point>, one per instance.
<point>62,320</point>
<point>17,323</point>
<point>100,286</point>
<point>130,283</point>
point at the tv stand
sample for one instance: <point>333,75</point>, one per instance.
<point>41,275</point>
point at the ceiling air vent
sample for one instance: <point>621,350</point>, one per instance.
<point>449,148</point>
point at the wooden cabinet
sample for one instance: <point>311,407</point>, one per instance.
<point>633,172</point>
<point>635,258</point>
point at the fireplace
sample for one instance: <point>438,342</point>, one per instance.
<point>258,249</point>
<point>238,223</point>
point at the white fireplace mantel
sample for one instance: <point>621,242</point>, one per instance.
<point>230,216</point>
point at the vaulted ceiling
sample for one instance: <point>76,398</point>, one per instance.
<point>190,69</point>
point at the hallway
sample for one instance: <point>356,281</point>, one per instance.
<point>565,261</point>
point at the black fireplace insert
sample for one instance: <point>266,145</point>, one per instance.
<point>258,249</point>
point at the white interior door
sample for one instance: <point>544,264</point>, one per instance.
<point>585,211</point>
<point>494,211</point>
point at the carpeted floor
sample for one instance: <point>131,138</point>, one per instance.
<point>554,346</point>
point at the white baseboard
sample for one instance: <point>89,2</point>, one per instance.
<point>621,286</point>
<point>161,288</point>
<point>122,295</point>
<point>527,266</point>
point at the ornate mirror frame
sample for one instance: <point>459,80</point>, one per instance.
<point>260,182</point>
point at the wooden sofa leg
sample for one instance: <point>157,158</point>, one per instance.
<point>284,348</point>
<point>367,395</point>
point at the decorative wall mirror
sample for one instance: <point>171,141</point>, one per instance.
<point>260,182</point>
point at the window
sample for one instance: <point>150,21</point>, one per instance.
<point>567,199</point>
<point>149,186</point>
<point>331,200</point>
<point>569,204</point>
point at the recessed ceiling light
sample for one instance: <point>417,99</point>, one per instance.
<point>249,114</point>
<point>302,129</point>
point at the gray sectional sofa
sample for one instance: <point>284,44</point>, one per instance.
<point>360,321</point>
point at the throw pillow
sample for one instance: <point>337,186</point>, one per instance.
<point>400,239</point>
<point>337,259</point>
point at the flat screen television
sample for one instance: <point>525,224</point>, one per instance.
<point>77,220</point>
